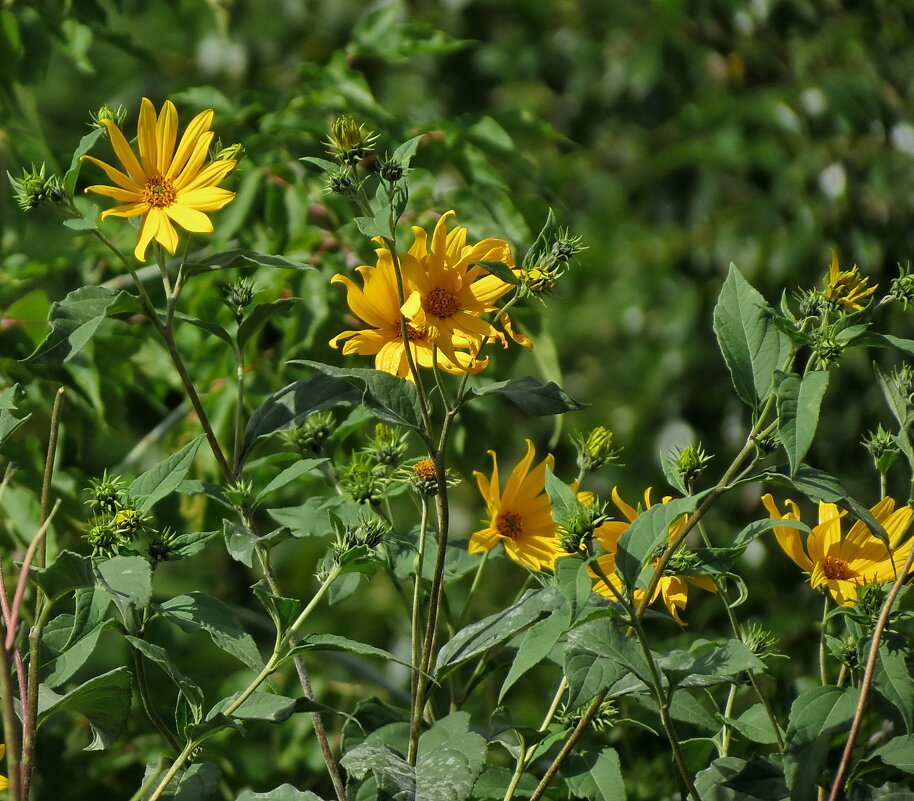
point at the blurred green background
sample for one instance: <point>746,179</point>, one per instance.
<point>674,137</point>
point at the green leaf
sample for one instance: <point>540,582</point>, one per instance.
<point>537,644</point>
<point>572,577</point>
<point>595,775</point>
<point>898,404</point>
<point>128,580</point>
<point>725,661</point>
<point>603,638</point>
<point>104,701</point>
<point>405,152</point>
<point>198,783</point>
<point>9,424</point>
<point>205,325</point>
<point>647,532</point>
<point>81,224</point>
<point>257,317</point>
<point>758,527</point>
<point>68,652</point>
<point>587,672</point>
<point>395,777</point>
<point>285,792</point>
<point>84,146</point>
<point>76,318</point>
<point>754,724</point>
<point>282,611</point>
<point>265,706</point>
<point>532,397</point>
<point>898,752</point>
<point>388,397</point>
<point>163,479</point>
<point>200,612</point>
<point>240,258</point>
<point>326,166</point>
<point>334,642</point>
<point>241,542</point>
<point>159,656</point>
<point>814,716</point>
<point>798,402</point>
<point>68,572</point>
<point>292,472</point>
<point>494,781</point>
<point>892,679</point>
<point>495,629</point>
<point>500,270</point>
<point>289,406</point>
<point>751,344</point>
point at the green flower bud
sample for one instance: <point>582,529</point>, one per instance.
<point>902,287</point>
<point>341,183</point>
<point>235,152</point>
<point>34,189</point>
<point>239,494</point>
<point>165,545</point>
<point>129,522</point>
<point>388,446</point>
<point>391,170</point>
<point>826,345</point>
<point>104,537</point>
<point>237,295</point>
<point>360,481</point>
<point>690,462</point>
<point>595,450</point>
<point>312,435</point>
<point>107,493</point>
<point>349,141</point>
<point>117,116</point>
<point>883,447</point>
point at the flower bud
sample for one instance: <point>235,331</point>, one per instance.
<point>690,462</point>
<point>237,295</point>
<point>883,447</point>
<point>103,536</point>
<point>164,546</point>
<point>388,446</point>
<point>235,152</point>
<point>845,289</point>
<point>107,493</point>
<point>129,522</point>
<point>360,481</point>
<point>117,116</point>
<point>239,493</point>
<point>312,435</point>
<point>341,182</point>
<point>349,141</point>
<point>595,450</point>
<point>826,345</point>
<point>391,170</point>
<point>902,287</point>
<point>34,189</point>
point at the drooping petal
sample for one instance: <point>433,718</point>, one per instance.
<point>623,507</point>
<point>148,229</point>
<point>122,180</point>
<point>166,235</point>
<point>788,538</point>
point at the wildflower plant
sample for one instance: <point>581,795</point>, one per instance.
<point>321,483</point>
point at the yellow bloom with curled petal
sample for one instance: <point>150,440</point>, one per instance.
<point>673,589</point>
<point>846,288</point>
<point>166,184</point>
<point>448,293</point>
<point>378,304</point>
<point>842,564</point>
<point>520,516</point>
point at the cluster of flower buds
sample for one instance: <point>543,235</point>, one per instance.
<point>354,544</point>
<point>311,436</point>
<point>116,521</point>
<point>575,527</point>
<point>602,721</point>
<point>362,480</point>
<point>548,258</point>
<point>595,449</point>
<point>36,189</point>
<point>238,295</point>
<point>870,598</point>
<point>234,152</point>
<point>883,447</point>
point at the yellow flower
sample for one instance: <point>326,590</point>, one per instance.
<point>165,184</point>
<point>846,288</point>
<point>378,304</point>
<point>4,782</point>
<point>520,517</point>
<point>672,589</point>
<point>842,564</point>
<point>446,296</point>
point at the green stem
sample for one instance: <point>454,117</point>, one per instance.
<point>153,777</point>
<point>148,706</point>
<point>12,733</point>
<point>173,770</point>
<point>418,571</point>
<point>239,411</point>
<point>726,731</point>
<point>823,674</point>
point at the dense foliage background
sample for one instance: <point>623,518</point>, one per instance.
<point>675,137</point>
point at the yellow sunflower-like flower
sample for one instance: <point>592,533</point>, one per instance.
<point>520,517</point>
<point>674,590</point>
<point>843,564</point>
<point>4,782</point>
<point>846,288</point>
<point>378,304</point>
<point>448,294</point>
<point>165,184</point>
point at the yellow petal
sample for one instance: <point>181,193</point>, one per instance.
<point>123,181</point>
<point>148,229</point>
<point>210,175</point>
<point>198,125</point>
<point>209,198</point>
<point>195,161</point>
<point>128,210</point>
<point>189,219</point>
<point>166,134</point>
<point>124,153</point>
<point>125,195</point>
<point>146,136</point>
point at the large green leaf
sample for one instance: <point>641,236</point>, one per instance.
<point>898,752</point>
<point>798,402</point>
<point>68,572</point>
<point>537,644</point>
<point>128,580</point>
<point>334,642</point>
<point>163,479</point>
<point>594,774</point>
<point>388,397</point>
<point>200,612</point>
<point>749,339</point>
<point>231,259</point>
<point>104,701</point>
<point>258,316</point>
<point>496,628</point>
<point>531,396</point>
<point>159,656</point>
<point>292,404</point>
<point>892,678</point>
<point>76,318</point>
<point>285,792</point>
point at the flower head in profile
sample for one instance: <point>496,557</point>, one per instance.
<point>846,288</point>
<point>520,516</point>
<point>166,184</point>
<point>378,304</point>
<point>447,292</point>
<point>673,588</point>
<point>843,563</point>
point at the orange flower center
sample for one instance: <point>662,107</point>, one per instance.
<point>835,568</point>
<point>412,334</point>
<point>509,524</point>
<point>441,303</point>
<point>159,192</point>
<point>425,469</point>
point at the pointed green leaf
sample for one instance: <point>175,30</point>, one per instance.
<point>258,316</point>
<point>241,258</point>
<point>292,472</point>
<point>163,479</point>
<point>68,572</point>
<point>159,656</point>
<point>752,345</point>
<point>595,775</point>
<point>285,792</point>
<point>537,644</point>
<point>798,402</point>
<point>532,397</point>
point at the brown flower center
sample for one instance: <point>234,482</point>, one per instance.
<point>425,469</point>
<point>441,303</point>
<point>159,192</point>
<point>509,524</point>
<point>412,334</point>
<point>835,568</point>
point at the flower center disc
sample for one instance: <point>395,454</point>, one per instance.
<point>835,568</point>
<point>509,524</point>
<point>425,469</point>
<point>159,192</point>
<point>441,303</point>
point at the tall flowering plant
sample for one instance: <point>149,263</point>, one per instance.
<point>597,622</point>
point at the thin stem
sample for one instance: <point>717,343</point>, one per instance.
<point>418,571</point>
<point>10,727</point>
<point>173,770</point>
<point>30,712</point>
<point>726,732</point>
<point>239,411</point>
<point>150,308</point>
<point>867,682</point>
<point>317,722</point>
<point>823,675</point>
<point>153,777</point>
